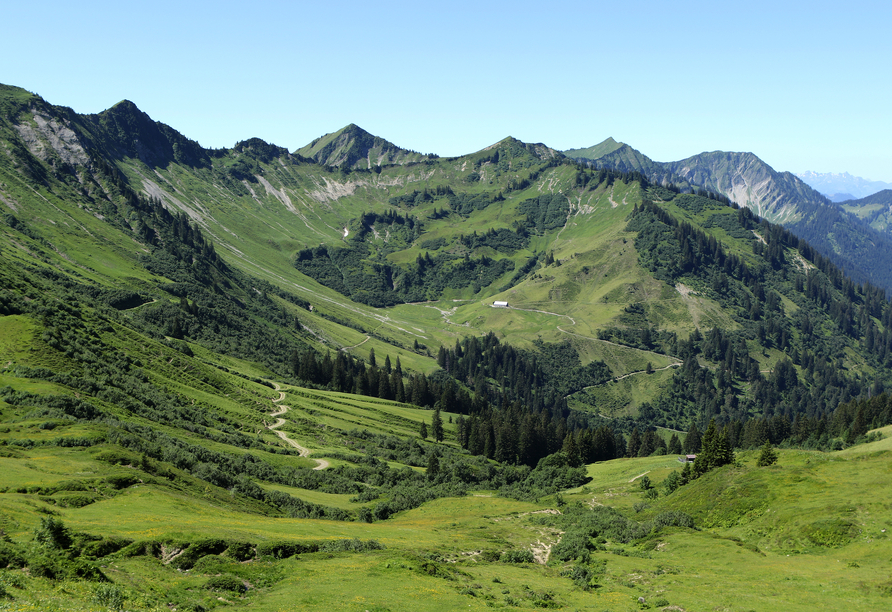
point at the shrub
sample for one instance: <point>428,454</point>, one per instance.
<point>149,548</point>
<point>109,595</point>
<point>673,518</point>
<point>10,557</point>
<point>52,533</point>
<point>240,551</point>
<point>43,566</point>
<point>517,556</point>
<point>283,550</point>
<point>105,547</point>
<point>225,582</point>
<point>122,481</point>
<point>352,545</point>
<point>197,550</point>
<point>75,501</point>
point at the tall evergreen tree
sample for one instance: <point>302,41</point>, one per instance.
<point>692,441</point>
<point>674,447</point>
<point>437,426</point>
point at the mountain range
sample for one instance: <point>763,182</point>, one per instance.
<point>842,186</point>
<point>410,371</point>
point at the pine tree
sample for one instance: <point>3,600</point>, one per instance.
<point>634,444</point>
<point>693,441</point>
<point>433,467</point>
<point>674,445</point>
<point>423,431</point>
<point>706,457</point>
<point>437,426</point>
<point>768,456</point>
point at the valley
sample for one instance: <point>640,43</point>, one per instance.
<point>250,377</point>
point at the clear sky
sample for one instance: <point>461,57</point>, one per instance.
<point>803,85</point>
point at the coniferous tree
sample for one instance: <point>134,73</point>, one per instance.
<point>648,444</point>
<point>433,467</point>
<point>423,431</point>
<point>437,426</point>
<point>634,444</point>
<point>768,456</point>
<point>707,456</point>
<point>674,447</point>
<point>693,441</point>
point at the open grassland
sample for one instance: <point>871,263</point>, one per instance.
<point>800,535</point>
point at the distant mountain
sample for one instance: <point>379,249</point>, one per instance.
<point>875,209</point>
<point>742,177</point>
<point>840,197</point>
<point>596,151</point>
<point>833,183</point>
<point>353,147</point>
<point>780,197</point>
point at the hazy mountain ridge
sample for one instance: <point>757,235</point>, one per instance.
<point>830,183</point>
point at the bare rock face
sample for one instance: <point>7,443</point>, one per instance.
<point>48,137</point>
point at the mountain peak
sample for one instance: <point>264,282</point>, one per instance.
<point>126,131</point>
<point>606,147</point>
<point>353,147</point>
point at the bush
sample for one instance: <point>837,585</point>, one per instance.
<point>10,557</point>
<point>517,556</point>
<point>352,545</point>
<point>283,550</point>
<point>240,551</point>
<point>197,550</point>
<point>52,533</point>
<point>75,501</point>
<point>122,481</point>
<point>225,582</point>
<point>105,547</point>
<point>148,548</point>
<point>43,566</point>
<point>109,595</point>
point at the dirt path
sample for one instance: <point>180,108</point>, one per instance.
<point>671,365</point>
<point>347,348</point>
<point>555,314</point>
<point>304,452</point>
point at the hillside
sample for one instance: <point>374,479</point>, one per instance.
<point>252,377</point>
<point>780,197</point>
<point>873,209</point>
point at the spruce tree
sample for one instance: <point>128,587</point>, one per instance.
<point>768,456</point>
<point>692,441</point>
<point>634,444</point>
<point>674,445</point>
<point>423,431</point>
<point>433,467</point>
<point>706,458</point>
<point>437,426</point>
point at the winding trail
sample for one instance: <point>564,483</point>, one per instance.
<point>304,452</point>
<point>555,314</point>
<point>347,348</point>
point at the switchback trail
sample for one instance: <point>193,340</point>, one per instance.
<point>304,452</point>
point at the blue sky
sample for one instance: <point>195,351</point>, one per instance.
<point>805,86</point>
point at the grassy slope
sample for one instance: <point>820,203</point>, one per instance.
<point>769,539</point>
